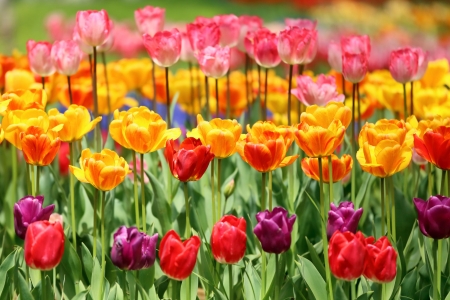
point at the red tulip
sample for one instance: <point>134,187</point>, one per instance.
<point>164,47</point>
<point>214,61</point>
<point>434,146</point>
<point>265,49</point>
<point>202,35</point>
<point>93,27</point>
<point>403,64</point>
<point>190,161</point>
<point>381,260</point>
<point>229,29</point>
<point>228,239</point>
<point>39,58</point>
<point>247,24</point>
<point>150,20</point>
<point>44,245</point>
<point>347,254</point>
<point>177,259</point>
<point>354,66</point>
<point>294,45</point>
<point>66,56</point>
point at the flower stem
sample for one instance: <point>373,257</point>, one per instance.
<point>412,99</point>
<point>387,206</point>
<point>228,97</point>
<point>291,67</point>
<point>263,192</point>
<point>230,279</point>
<point>265,94</point>
<point>103,196</point>
<point>208,115</point>
<point>94,230</point>
<point>359,106</point>
<point>393,220</point>
<point>330,176</point>
<point>353,142</point>
<point>125,285</point>
<point>154,85</point>
<point>97,135</point>
<point>213,195</point>
<point>438,267</point>
<point>43,287</point>
<point>353,288</point>
<point>69,87</point>
<point>27,179</point>
<point>382,189</point>
<point>217,98</point>
<point>14,171</point>
<point>263,274</point>
<point>38,175</point>
<point>324,233</point>
<point>259,91</point>
<point>144,206</point>
<point>301,68</point>
<point>405,108</point>
<point>277,275</point>
<point>108,97</point>
<point>442,190</point>
<point>270,191</point>
<point>72,199</point>
<point>383,291</point>
<point>430,184</point>
<point>186,204</point>
<point>219,189</point>
<point>169,124</point>
<point>32,179</point>
<point>343,84</point>
<point>135,182</point>
<point>43,82</point>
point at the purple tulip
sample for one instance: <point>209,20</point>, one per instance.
<point>274,230</point>
<point>28,210</point>
<point>133,250</point>
<point>434,216</point>
<point>343,218</point>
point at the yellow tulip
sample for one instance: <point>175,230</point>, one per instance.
<point>384,129</point>
<point>23,100</point>
<point>2,134</point>
<point>435,74</point>
<point>135,73</point>
<point>190,99</point>
<point>324,116</point>
<point>18,79</point>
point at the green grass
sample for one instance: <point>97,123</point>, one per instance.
<point>30,15</point>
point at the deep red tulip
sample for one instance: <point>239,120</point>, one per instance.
<point>93,27</point>
<point>39,58</point>
<point>354,66</point>
<point>150,20</point>
<point>214,61</point>
<point>202,35</point>
<point>64,161</point>
<point>403,64</point>
<point>265,49</point>
<point>177,258</point>
<point>247,24</point>
<point>229,239</point>
<point>44,245</point>
<point>381,260</point>
<point>190,161</point>
<point>164,47</point>
<point>347,254</point>
<point>66,56</point>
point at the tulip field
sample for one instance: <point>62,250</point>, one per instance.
<point>227,157</point>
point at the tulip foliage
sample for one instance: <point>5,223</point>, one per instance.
<point>269,185</point>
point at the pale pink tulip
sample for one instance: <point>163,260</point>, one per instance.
<point>354,66</point>
<point>294,45</point>
<point>422,63</point>
<point>149,19</point>
<point>187,54</point>
<point>356,44</point>
<point>164,47</point>
<point>107,45</point>
<point>93,27</point>
<point>66,56</point>
<point>214,61</point>
<point>237,59</point>
<point>317,93</point>
<point>301,23</point>
<point>335,56</point>
<point>39,58</point>
<point>403,64</point>
<point>265,49</point>
<point>247,24</point>
<point>57,27</point>
<point>229,29</point>
<point>202,35</point>
<point>129,44</point>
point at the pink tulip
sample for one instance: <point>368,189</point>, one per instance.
<point>186,50</point>
<point>66,56</point>
<point>204,20</point>
<point>229,29</point>
<point>354,66</point>
<point>294,45</point>
<point>403,64</point>
<point>93,27</point>
<point>312,49</point>
<point>149,19</point>
<point>39,58</point>
<point>249,41</point>
<point>202,35</point>
<point>247,24</point>
<point>57,27</point>
<point>317,93</point>
<point>130,42</point>
<point>164,48</point>
<point>356,44</point>
<point>237,59</point>
<point>214,61</point>
<point>335,56</point>
<point>107,45</point>
<point>265,49</point>
<point>422,63</point>
<point>301,23</point>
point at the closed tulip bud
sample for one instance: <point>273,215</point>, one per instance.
<point>341,167</point>
<point>432,216</point>
<point>164,47</point>
<point>44,245</point>
<point>177,258</point>
<point>133,250</point>
<point>39,148</point>
<point>66,56</point>
<point>294,45</point>
<point>229,29</point>
<point>28,210</point>
<point>247,24</point>
<point>214,61</point>
<point>229,189</point>
<point>354,66</point>
<point>343,218</point>
<point>403,64</point>
<point>150,20</point>
<point>434,146</point>
<point>39,58</point>
<point>202,35</point>
<point>265,49</point>
<point>93,27</point>
<point>228,239</point>
<point>335,56</point>
<point>347,255</point>
<point>274,230</point>
<point>381,260</point>
<point>321,92</point>
<point>190,161</point>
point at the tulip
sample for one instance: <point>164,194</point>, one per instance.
<point>265,49</point>
<point>28,210</point>
<point>202,35</point>
<point>18,79</point>
<point>133,250</point>
<point>354,66</point>
<point>301,23</point>
<point>403,64</point>
<point>341,167</point>
<point>64,161</point>
<point>38,147</point>
<point>356,44</point>
<point>150,20</point>
<point>186,53</point>
<point>229,29</point>
<point>104,170</point>
<point>432,216</point>
<point>422,60</point>
<point>134,72</point>
<point>39,58</point>
<point>247,24</point>
<point>23,100</point>
<point>93,27</point>
<point>417,159</point>
<point>177,259</point>
<point>347,254</point>
<point>2,134</point>
<point>320,92</point>
<point>381,260</point>
<point>274,230</point>
<point>249,40</point>
<point>164,47</point>
<point>76,121</point>
<point>214,61</point>
<point>434,146</point>
<point>228,239</point>
<point>66,56</point>
<point>44,245</point>
<point>386,130</point>
<point>335,56</point>
<point>343,218</point>
<point>190,161</point>
<point>294,44</point>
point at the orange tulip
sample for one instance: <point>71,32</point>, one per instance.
<point>2,134</point>
<point>434,146</point>
<point>265,146</point>
<point>221,135</point>
<point>135,73</point>
<point>39,148</point>
<point>384,129</point>
<point>341,167</point>
<point>325,116</point>
<point>17,79</point>
<point>104,170</point>
<point>23,100</point>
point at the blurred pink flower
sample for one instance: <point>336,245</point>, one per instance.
<point>265,49</point>
<point>214,61</point>
<point>301,23</point>
<point>150,20</point>
<point>138,170</point>
<point>229,29</point>
<point>58,28</point>
<point>202,35</point>
<point>93,26</point>
<point>66,56</point>
<point>422,63</point>
<point>237,58</point>
<point>250,38</point>
<point>356,44</point>
<point>39,58</point>
<point>164,47</point>
<point>403,64</point>
<point>354,66</point>
<point>186,50</point>
<point>297,45</point>
<point>335,56</point>
<point>317,93</point>
<point>129,43</point>
<point>247,24</point>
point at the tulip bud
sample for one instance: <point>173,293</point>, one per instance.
<point>381,260</point>
<point>321,92</point>
<point>403,64</point>
<point>229,29</point>
<point>228,239</point>
<point>247,24</point>
<point>44,245</point>
<point>274,230</point>
<point>265,49</point>
<point>93,27</point>
<point>229,189</point>
<point>39,58</point>
<point>66,57</point>
<point>294,44</point>
<point>164,47</point>
<point>343,218</point>
<point>214,61</point>
<point>28,210</point>
<point>335,56</point>
<point>150,20</point>
<point>432,216</point>
<point>354,66</point>
<point>202,35</point>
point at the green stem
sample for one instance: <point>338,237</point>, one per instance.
<point>38,175</point>
<point>136,294</point>
<point>169,123</point>
<point>405,107</point>
<point>217,98</point>
<point>208,113</point>
<point>438,266</point>
<point>412,99</point>
<point>265,95</point>
<point>43,287</point>
<point>69,87</point>
<point>383,291</point>
<point>291,67</point>
<point>72,199</point>
<point>108,97</point>
<point>393,221</point>
<point>448,184</point>
<point>213,194</point>
<point>27,275</point>
<point>97,135</point>
<point>94,230</point>
<point>387,206</point>
<point>136,192</point>
<point>353,143</point>
<point>14,171</point>
<point>263,192</point>
<point>270,191</point>
<point>276,278</point>
<point>175,289</point>
<point>33,180</point>
<point>228,96</point>
<point>359,107</point>
<point>27,179</point>
<point>324,233</point>
<point>144,212</point>
<point>125,284</point>
<point>263,274</point>
<point>154,85</point>
<point>330,176</point>
<point>230,279</point>
<point>54,282</point>
<point>444,173</point>
<point>102,229</point>
<point>430,178</point>
<point>186,204</point>
<point>382,184</point>
<point>219,189</point>
<point>353,288</point>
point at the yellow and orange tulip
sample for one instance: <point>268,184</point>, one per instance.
<point>23,100</point>
<point>384,129</point>
<point>135,73</point>
<point>341,167</point>
<point>2,134</point>
<point>39,147</point>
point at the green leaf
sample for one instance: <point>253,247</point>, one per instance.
<point>160,206</point>
<point>70,262</point>
<point>193,282</point>
<point>81,296</point>
<point>7,265</point>
<point>147,277</point>
<point>115,293</point>
<point>88,262</point>
<point>313,278</point>
<point>24,291</point>
<point>315,258</point>
<point>365,296</point>
<point>96,288</point>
